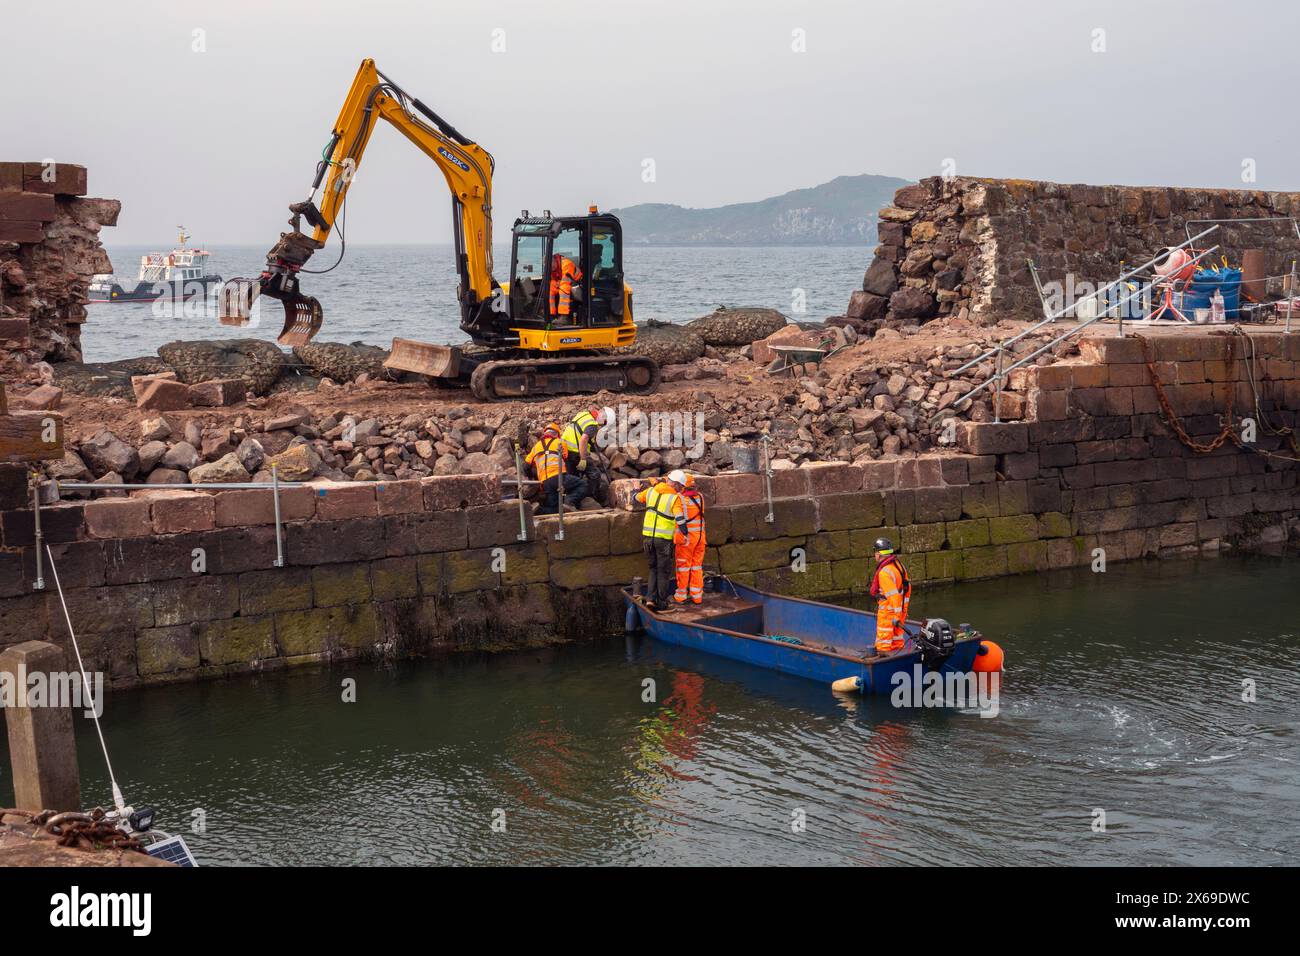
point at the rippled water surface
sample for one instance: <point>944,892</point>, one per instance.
<point>383,291</point>
<point>1123,693</point>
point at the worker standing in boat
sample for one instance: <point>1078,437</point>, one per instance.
<point>892,589</point>
<point>548,459</point>
<point>663,511</point>
<point>689,544</point>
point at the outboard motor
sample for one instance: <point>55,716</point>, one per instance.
<point>935,641</point>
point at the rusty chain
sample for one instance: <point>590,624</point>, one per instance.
<point>83,831</point>
<point>1171,417</point>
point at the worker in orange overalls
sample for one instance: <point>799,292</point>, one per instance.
<point>892,589</point>
<point>689,544</point>
<point>564,272</point>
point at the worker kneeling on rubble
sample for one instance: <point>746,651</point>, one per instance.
<point>663,512</point>
<point>689,544</point>
<point>548,457</point>
<point>892,589</point>
<point>579,437</point>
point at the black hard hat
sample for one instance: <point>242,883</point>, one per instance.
<point>884,544</point>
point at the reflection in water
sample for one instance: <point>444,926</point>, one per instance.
<point>1123,692</point>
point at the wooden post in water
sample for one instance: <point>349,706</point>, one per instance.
<point>42,747</point>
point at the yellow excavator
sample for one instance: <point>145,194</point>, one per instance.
<point>523,342</point>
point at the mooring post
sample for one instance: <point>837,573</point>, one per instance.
<point>767,476</point>
<point>42,746</point>
<point>39,537</point>
<point>279,538</point>
<point>519,491</point>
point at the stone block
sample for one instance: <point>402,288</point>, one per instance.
<point>988,438</point>
<point>971,533</point>
<point>118,518</point>
<point>790,483</point>
<point>327,631</point>
<point>161,395</point>
<point>31,436</point>
<point>918,538</point>
<point>586,535</point>
<point>828,478</point>
<point>980,501</point>
<point>575,573</point>
<point>757,555</point>
<point>179,511</point>
<point>337,584</point>
<point>452,492</point>
<point>337,500</point>
<point>61,521</point>
<point>334,542</point>
<point>849,511</point>
<point>424,533</point>
<point>240,640</point>
<point>988,562</point>
<point>242,507</point>
<point>198,597</point>
<point>1013,528</point>
<point>879,475</point>
<point>164,650</point>
<point>1027,556</point>
<point>399,497</point>
<point>625,529</point>
<point>731,488</point>
<point>276,589</point>
<point>530,564</point>
<point>218,393</point>
<point>498,524</point>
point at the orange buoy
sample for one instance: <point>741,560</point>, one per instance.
<point>988,658</point>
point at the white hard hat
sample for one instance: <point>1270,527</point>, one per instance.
<point>677,476</point>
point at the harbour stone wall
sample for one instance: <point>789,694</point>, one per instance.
<point>959,246</point>
<point>176,585</point>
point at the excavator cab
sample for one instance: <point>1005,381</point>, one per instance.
<point>596,312</point>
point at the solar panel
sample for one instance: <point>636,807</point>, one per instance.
<point>173,850</point>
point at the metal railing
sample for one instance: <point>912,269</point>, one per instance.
<point>997,351</point>
<point>273,487</point>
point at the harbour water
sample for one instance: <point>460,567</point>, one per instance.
<point>1123,695</point>
<point>379,292</point>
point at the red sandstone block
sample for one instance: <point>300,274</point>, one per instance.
<point>832,477</point>
<point>241,507</point>
<point>26,207</point>
<point>1089,376</point>
<point>336,500</point>
<point>623,491</point>
<point>1110,350</point>
<point>1052,378</point>
<point>177,511</point>
<point>29,231</point>
<point>1129,373</point>
<point>954,469</point>
<point>11,176</point>
<point>59,179</point>
<point>1048,406</point>
<point>733,488</point>
<point>456,492</point>
<point>989,438</point>
<point>42,398</point>
<point>399,497</point>
<point>879,475</point>
<point>118,518</point>
<point>792,483</point>
<point>163,395</point>
<point>15,333</point>
<point>219,393</point>
<point>1119,401</point>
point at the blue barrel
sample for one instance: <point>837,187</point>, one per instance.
<point>1199,291</point>
<point>1230,286</point>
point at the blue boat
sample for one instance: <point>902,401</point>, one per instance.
<point>822,642</point>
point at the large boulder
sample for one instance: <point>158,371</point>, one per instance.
<point>732,327</point>
<point>224,470</point>
<point>340,362</point>
<point>105,453</point>
<point>667,344</point>
<point>880,278</point>
<point>257,363</point>
<point>912,303</point>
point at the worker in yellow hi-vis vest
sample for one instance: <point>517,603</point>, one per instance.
<point>663,512</point>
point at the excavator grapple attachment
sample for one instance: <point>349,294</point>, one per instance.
<point>235,300</point>
<point>423,358</point>
<point>303,316</point>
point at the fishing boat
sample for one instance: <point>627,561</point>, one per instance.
<point>178,275</point>
<point>821,642</point>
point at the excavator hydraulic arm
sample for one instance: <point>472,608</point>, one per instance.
<point>467,168</point>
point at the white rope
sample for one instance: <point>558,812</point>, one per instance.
<point>118,801</point>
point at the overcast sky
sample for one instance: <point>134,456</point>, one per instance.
<point>713,91</point>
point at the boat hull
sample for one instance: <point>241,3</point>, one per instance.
<point>850,632</point>
<point>145,291</point>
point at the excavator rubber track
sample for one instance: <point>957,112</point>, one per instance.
<point>525,377</point>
